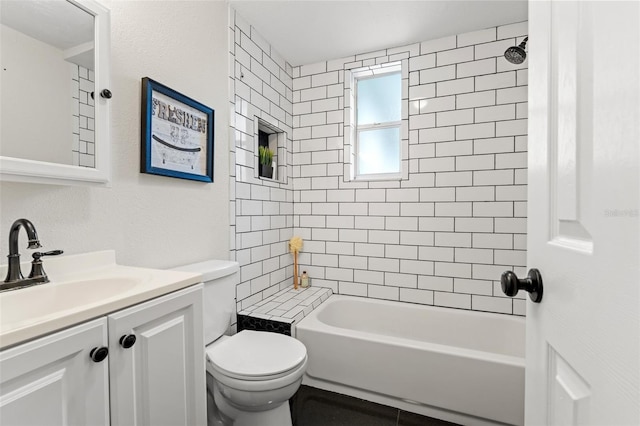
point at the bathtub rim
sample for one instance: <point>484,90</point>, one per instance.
<point>312,323</point>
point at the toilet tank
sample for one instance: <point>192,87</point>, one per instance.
<point>220,278</point>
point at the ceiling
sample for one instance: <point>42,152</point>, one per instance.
<point>57,23</point>
<point>309,31</point>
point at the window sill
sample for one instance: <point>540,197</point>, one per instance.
<point>268,179</point>
<point>380,177</point>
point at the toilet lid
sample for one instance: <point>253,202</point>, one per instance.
<point>257,354</point>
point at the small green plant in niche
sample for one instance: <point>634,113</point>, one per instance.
<point>265,156</point>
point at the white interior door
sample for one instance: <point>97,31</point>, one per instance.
<point>583,357</point>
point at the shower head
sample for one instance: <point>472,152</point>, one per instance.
<point>516,54</point>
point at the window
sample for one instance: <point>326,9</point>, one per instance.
<point>378,116</point>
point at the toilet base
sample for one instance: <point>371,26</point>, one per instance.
<point>214,417</point>
<point>221,413</point>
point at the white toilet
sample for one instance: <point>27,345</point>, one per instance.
<point>252,374</point>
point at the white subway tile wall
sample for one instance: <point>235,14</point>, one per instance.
<point>82,86</point>
<point>261,85</point>
<point>443,234</point>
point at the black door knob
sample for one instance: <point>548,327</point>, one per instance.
<point>532,284</point>
<point>106,93</point>
<point>99,354</point>
<point>127,340</point>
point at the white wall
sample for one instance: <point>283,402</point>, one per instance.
<point>150,221</point>
<point>36,85</point>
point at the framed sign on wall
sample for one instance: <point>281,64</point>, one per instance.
<point>177,134</point>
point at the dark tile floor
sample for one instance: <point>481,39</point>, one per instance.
<point>317,407</point>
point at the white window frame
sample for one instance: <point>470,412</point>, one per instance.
<point>365,74</point>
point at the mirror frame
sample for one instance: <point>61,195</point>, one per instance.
<point>24,170</point>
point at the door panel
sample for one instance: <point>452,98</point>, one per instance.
<point>568,392</point>
<point>163,345</point>
<point>570,128</point>
<point>52,380</point>
<point>160,380</point>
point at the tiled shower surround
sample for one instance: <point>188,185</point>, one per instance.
<point>444,233</point>
<point>82,86</point>
<point>261,209</point>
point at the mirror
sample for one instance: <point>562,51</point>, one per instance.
<point>54,120</point>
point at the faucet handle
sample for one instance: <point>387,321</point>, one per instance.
<point>37,255</point>
<point>37,271</point>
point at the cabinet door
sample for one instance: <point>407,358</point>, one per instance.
<point>52,380</point>
<point>160,380</point>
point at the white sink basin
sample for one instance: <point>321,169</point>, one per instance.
<point>82,287</point>
<point>61,296</point>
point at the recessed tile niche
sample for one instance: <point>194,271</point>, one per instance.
<point>270,137</point>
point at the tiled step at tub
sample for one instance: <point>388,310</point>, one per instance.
<point>278,312</point>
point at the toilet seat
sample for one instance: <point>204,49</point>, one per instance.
<point>256,356</point>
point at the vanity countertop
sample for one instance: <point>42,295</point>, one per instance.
<point>82,287</point>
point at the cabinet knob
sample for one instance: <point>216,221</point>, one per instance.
<point>127,340</point>
<point>99,354</point>
<point>106,93</point>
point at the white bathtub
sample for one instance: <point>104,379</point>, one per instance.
<point>461,366</point>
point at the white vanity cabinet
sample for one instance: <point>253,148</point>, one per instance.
<point>53,381</point>
<point>159,380</point>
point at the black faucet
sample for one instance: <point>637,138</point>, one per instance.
<point>14,278</point>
